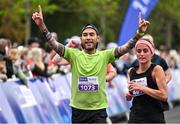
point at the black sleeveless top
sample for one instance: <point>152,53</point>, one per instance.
<point>144,103</point>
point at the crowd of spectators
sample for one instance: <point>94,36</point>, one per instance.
<point>31,61</point>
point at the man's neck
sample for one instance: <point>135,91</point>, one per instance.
<point>90,51</point>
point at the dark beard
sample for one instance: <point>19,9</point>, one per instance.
<point>82,45</point>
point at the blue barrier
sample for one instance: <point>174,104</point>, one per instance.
<point>174,86</point>
<point>57,97</point>
<point>23,103</point>
<point>6,113</point>
<point>116,96</point>
<point>48,108</point>
<point>47,99</point>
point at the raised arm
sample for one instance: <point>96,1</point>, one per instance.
<point>38,19</point>
<point>143,25</point>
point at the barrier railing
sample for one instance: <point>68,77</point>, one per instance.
<point>47,99</point>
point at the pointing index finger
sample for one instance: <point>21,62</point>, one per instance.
<point>40,10</point>
<point>139,17</point>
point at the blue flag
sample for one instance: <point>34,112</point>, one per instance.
<point>130,23</point>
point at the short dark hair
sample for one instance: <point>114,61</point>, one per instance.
<point>90,26</point>
<point>2,57</point>
<point>33,40</point>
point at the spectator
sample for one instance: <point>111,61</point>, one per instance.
<point>33,42</point>
<point>39,68</point>
<point>14,58</point>
<point>3,75</point>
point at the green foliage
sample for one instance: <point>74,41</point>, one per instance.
<point>72,15</point>
<point>66,17</point>
<point>13,14</point>
<point>165,24</point>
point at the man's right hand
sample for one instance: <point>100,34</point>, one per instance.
<point>38,19</point>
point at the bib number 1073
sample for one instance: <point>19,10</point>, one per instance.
<point>88,87</point>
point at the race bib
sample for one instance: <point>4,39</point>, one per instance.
<point>142,81</point>
<point>88,84</point>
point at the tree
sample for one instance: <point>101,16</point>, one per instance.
<point>72,15</point>
<point>15,16</point>
<point>165,24</point>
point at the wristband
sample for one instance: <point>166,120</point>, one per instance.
<point>140,33</point>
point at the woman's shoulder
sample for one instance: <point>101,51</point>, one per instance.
<point>157,67</point>
<point>157,70</point>
<point>130,70</point>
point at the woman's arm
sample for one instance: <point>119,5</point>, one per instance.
<point>161,93</point>
<point>159,77</point>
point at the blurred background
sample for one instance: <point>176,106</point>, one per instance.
<point>34,94</point>
<point>66,17</point>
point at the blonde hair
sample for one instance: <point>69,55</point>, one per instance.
<point>36,54</point>
<point>14,53</point>
<point>149,38</point>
